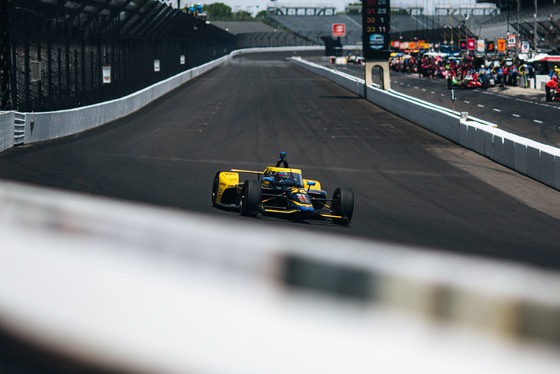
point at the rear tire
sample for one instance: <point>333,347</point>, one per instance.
<point>215,186</point>
<point>343,205</point>
<point>250,198</point>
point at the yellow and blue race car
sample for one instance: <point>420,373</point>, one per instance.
<point>280,190</point>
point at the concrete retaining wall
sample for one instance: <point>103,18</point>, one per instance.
<point>52,125</point>
<point>538,161</point>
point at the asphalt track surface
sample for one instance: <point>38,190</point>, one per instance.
<point>411,186</point>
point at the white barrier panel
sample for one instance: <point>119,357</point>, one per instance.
<point>536,160</point>
<point>435,119</point>
<point>139,289</point>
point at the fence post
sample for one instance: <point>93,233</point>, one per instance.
<point>5,65</point>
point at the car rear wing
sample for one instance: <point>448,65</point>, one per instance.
<point>246,171</point>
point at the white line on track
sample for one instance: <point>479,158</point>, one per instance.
<point>516,115</point>
<point>537,121</point>
<point>480,105</point>
<point>549,106</point>
<point>496,110</point>
<point>467,102</point>
<point>521,100</point>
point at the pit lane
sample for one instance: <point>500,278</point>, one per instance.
<point>523,112</point>
<point>411,186</point>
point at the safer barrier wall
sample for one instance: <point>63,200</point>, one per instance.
<point>42,126</point>
<point>538,161</point>
<point>52,125</point>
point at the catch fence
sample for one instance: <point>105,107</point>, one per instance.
<point>59,54</point>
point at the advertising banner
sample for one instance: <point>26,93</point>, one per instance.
<point>481,45</point>
<point>338,29</point>
<point>511,40</point>
<point>106,72</point>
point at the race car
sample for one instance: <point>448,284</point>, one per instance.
<point>470,82</point>
<point>281,191</point>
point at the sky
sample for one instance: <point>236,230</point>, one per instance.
<point>255,6</point>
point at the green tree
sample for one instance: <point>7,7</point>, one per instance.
<point>261,15</point>
<point>243,16</point>
<point>218,11</point>
<point>353,10</point>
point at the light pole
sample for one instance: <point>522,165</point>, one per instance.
<point>518,39</point>
<point>444,34</point>
<point>535,28</point>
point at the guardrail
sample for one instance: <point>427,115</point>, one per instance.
<point>130,288</point>
<point>538,161</point>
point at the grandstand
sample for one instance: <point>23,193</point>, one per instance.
<point>315,27</point>
<point>434,29</point>
<point>305,25</point>
<point>523,23</point>
<point>257,34</point>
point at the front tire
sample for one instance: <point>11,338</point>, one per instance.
<point>250,198</point>
<point>343,205</point>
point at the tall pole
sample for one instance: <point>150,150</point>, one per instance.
<point>449,12</point>
<point>518,39</point>
<point>460,24</point>
<point>411,24</point>
<point>508,10</point>
<point>5,65</point>
<point>518,17</point>
<point>535,28</point>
